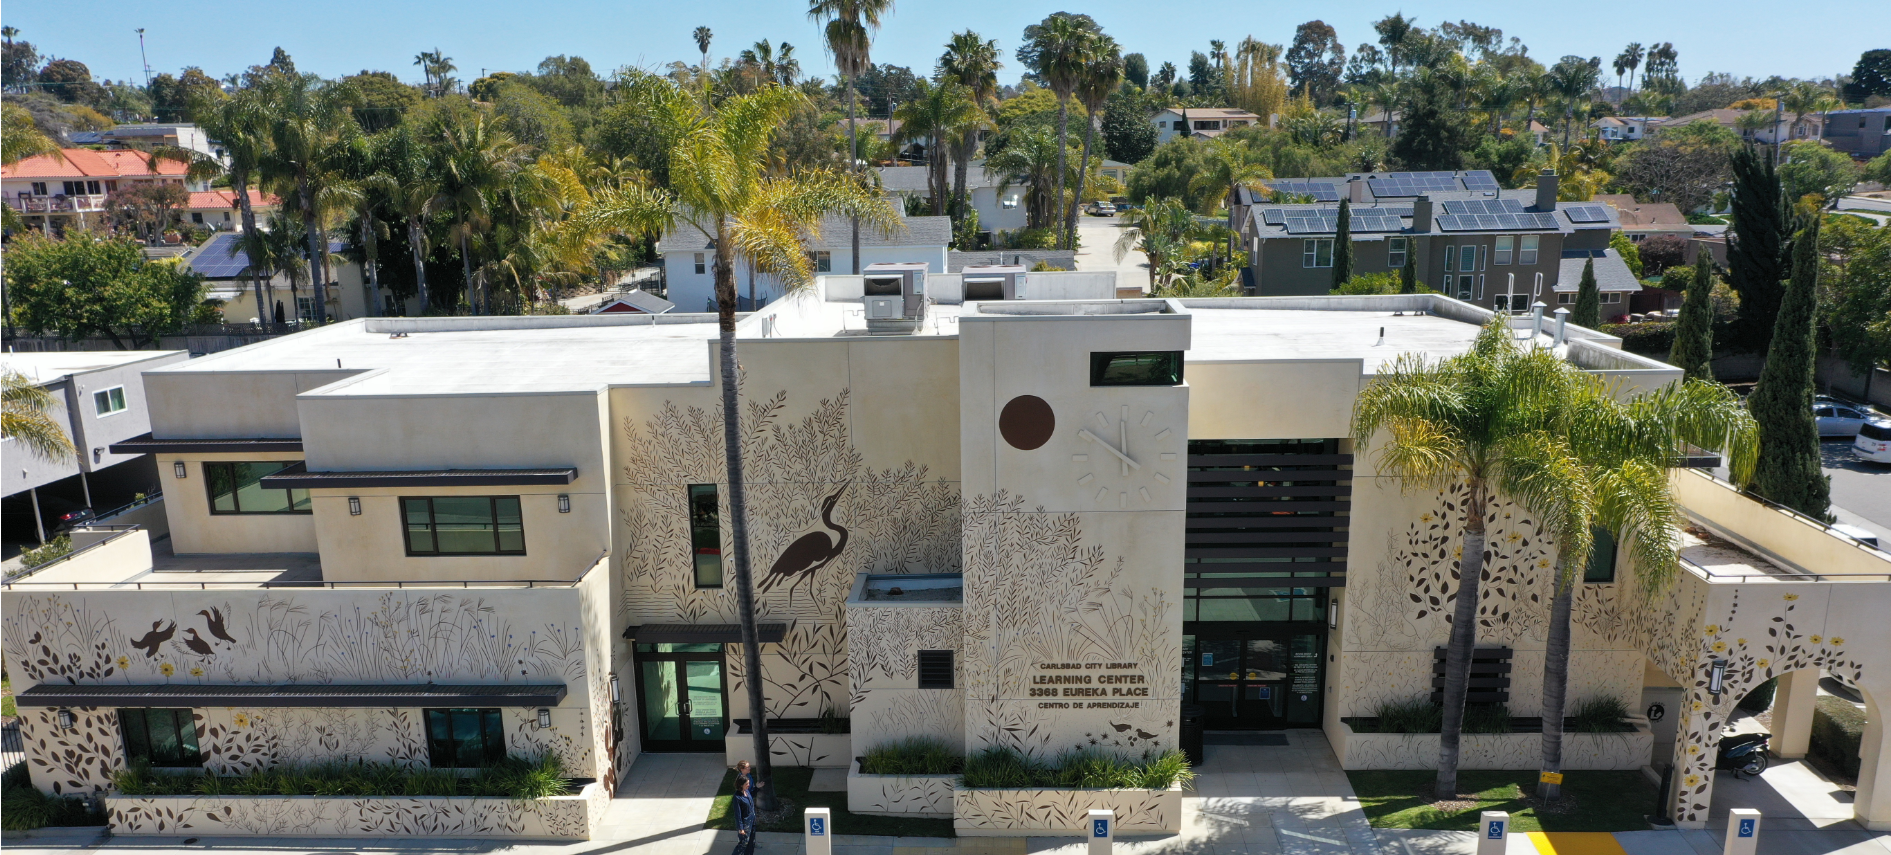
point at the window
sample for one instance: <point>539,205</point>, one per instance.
<point>236,488</point>
<point>700,266</point>
<point>304,307</point>
<point>197,217</point>
<point>1612,297</point>
<point>1467,258</point>
<point>1601,568</point>
<point>1148,368</point>
<point>1636,238</point>
<point>935,669</point>
<point>1528,254</point>
<point>1479,293</point>
<point>1317,252</point>
<point>160,737</point>
<point>1395,252</point>
<point>1502,252</point>
<point>1482,257</point>
<point>822,260</point>
<point>39,188</point>
<point>465,739</point>
<point>109,401</point>
<point>1565,299</point>
<point>1465,284</point>
<point>705,534</point>
<point>464,525</point>
<point>1451,258</point>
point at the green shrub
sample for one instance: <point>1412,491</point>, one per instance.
<point>1603,714</point>
<point>1760,698</point>
<point>1649,337</point>
<point>1418,715</point>
<point>832,721</point>
<point>1002,768</point>
<point>1838,728</point>
<point>1485,718</point>
<point>55,549</point>
<point>913,756</point>
<point>23,807</point>
<point>1371,283</point>
<point>514,778</point>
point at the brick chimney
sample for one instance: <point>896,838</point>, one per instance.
<point>1546,190</point>
<point>1421,215</point>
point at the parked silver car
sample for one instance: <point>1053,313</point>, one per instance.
<point>1839,420</point>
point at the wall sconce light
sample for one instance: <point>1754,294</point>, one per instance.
<point>177,468</point>
<point>1717,677</point>
<point>564,503</point>
<point>1332,614</point>
<point>615,696</point>
<point>67,720</point>
<point>544,718</point>
<point>98,453</point>
<point>354,506</point>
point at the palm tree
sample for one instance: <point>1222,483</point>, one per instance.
<point>1033,158</point>
<point>1161,229</point>
<point>702,36</point>
<point>849,38</point>
<point>410,162</point>
<point>305,117</point>
<point>1102,74</point>
<point>476,161</point>
<point>363,184</point>
<point>26,414</point>
<point>425,60</point>
<point>1802,97</point>
<point>937,112</point>
<point>974,63</point>
<point>1061,48</point>
<point>1602,465</point>
<point>1630,59</point>
<point>1460,421</point>
<point>778,66</point>
<point>722,187</point>
<point>239,123</point>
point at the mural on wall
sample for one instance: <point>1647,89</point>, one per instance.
<point>900,795</point>
<point>79,759</point>
<point>883,670</point>
<point>1067,811</point>
<point>237,742</point>
<point>568,818</point>
<point>1035,592</point>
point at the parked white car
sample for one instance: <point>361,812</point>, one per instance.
<point>1839,420</point>
<point>1873,442</point>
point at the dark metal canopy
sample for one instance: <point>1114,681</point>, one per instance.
<point>145,444</point>
<point>298,477</point>
<point>703,633</point>
<point>298,695</point>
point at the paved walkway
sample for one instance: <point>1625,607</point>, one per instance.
<point>1096,250</point>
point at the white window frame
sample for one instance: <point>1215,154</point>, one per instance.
<point>1502,252</point>
<point>701,264</point>
<point>1312,248</point>
<point>1451,259</point>
<point>1395,250</point>
<point>1611,297</point>
<point>116,403</point>
<point>1479,293</point>
<point>1467,258</point>
<point>1565,298</point>
<point>821,260</point>
<point>1527,250</point>
<point>1483,257</point>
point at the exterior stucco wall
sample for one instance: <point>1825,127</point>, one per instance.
<point>194,529</point>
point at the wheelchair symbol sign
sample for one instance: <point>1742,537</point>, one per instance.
<point>817,827</point>
<point>1496,831</point>
<point>1100,828</point>
<point>1746,828</point>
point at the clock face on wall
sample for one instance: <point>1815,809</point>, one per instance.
<point>1115,455</point>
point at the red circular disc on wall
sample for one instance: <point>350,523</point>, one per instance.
<point>1026,422</point>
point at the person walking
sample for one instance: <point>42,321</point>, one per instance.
<point>744,806</point>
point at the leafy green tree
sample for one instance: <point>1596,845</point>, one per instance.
<point>70,81</point>
<point>305,117</point>
<point>1033,158</point>
<point>1685,165</point>
<point>1756,253</point>
<point>1102,75</point>
<point>19,64</point>
<point>1171,171</point>
<point>531,118</point>
<point>1370,283</point>
<point>1343,246</point>
<point>1128,135</point>
<point>1630,253</point>
<point>1315,61</point>
<point>1408,275</point>
<point>973,62</point>
<point>1856,301</point>
<point>87,286</point>
<point>1812,168</point>
<point>1136,71</point>
<point>1788,471</point>
<point>1588,311</point>
<point>569,80</point>
<point>1693,350</point>
<point>475,163</point>
<point>1879,169</point>
<point>1871,75</point>
<point>1058,51</point>
<point>379,100</point>
<point>943,111</point>
<point>1432,135</point>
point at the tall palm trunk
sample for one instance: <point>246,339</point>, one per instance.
<point>369,244</point>
<point>936,173</point>
<point>764,791</point>
<point>962,157</point>
<point>1556,679</point>
<point>239,183</point>
<point>316,250</point>
<point>853,164</point>
<point>1463,641</point>
<point>1083,173</point>
<point>420,267</point>
<point>466,266</point>
<point>1063,148</point>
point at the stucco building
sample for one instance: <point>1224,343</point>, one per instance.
<point>1041,524</point>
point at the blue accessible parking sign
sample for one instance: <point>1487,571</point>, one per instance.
<point>817,826</point>
<point>1100,828</point>
<point>1496,831</point>
<point>1746,828</point>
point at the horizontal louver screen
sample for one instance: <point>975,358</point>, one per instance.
<point>1267,513</point>
<point>935,669</point>
<point>1489,677</point>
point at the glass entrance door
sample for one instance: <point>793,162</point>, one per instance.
<point>1254,683</point>
<point>680,697</point>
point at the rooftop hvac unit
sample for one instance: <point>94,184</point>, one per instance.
<point>987,282</point>
<point>895,297</point>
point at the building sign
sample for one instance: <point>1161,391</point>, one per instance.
<point>1090,685</point>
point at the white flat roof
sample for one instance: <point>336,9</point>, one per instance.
<point>1243,335</point>
<point>50,366</point>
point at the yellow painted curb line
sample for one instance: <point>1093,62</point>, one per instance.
<point>1575,843</point>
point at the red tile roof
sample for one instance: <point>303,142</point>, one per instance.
<point>226,199</point>
<point>86,163</point>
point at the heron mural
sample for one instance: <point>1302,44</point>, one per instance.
<point>809,552</point>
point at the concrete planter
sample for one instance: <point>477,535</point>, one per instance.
<point>1493,751</point>
<point>900,795</point>
<point>1026,813</point>
<point>816,750</point>
<point>557,818</point>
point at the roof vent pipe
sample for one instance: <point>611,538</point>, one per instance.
<point>1536,320</point>
<point>1562,324</point>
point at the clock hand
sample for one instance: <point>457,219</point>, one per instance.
<point>1090,437</point>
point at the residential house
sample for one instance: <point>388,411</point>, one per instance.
<point>1201,122</point>
<point>689,258</point>
<point>634,302</point>
<point>225,267</point>
<point>1642,220</point>
<point>1811,127</point>
<point>999,208</point>
<point>218,208</point>
<point>1030,523</point>
<point>98,399</point>
<point>1624,128</point>
<point>1115,170</point>
<point>149,136</point>
<point>1382,123</point>
<point>52,193</point>
<point>1863,134</point>
<point>1469,238</point>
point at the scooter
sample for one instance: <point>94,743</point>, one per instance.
<point>1743,753</point>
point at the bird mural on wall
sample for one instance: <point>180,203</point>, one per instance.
<point>810,552</point>
<point>197,645</point>
<point>151,640</point>
<point>213,619</point>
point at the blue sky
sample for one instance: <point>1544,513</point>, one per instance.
<point>336,37</point>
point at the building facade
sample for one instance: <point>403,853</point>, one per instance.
<point>1204,122</point>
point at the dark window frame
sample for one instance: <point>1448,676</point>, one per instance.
<point>1601,566</point>
<point>307,505</point>
<point>433,527</point>
<point>703,527</point>
<point>134,728</point>
<point>949,664</point>
<point>1101,363</point>
<point>491,724</point>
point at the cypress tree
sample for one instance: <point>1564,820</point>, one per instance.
<point>1408,275</point>
<point>1343,246</point>
<point>1756,256</point>
<point>1788,470</point>
<point>1588,311</point>
<point>1693,350</point>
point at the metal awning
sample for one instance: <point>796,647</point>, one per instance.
<point>145,444</point>
<point>297,695</point>
<point>703,633</point>
<point>298,477</point>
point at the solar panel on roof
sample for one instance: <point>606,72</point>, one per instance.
<point>1324,192</point>
<point>1587,214</point>
<point>1273,217</point>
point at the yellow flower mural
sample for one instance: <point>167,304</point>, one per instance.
<point>1789,597</point>
<point>1720,647</point>
<point>1694,749</point>
<point>1764,663</point>
<point>124,662</point>
<point>1836,641</point>
<point>1713,629</point>
<point>1816,639</point>
<point>1693,780</point>
<point>196,671</point>
<point>167,669</point>
<point>1697,706</point>
<point>241,720</point>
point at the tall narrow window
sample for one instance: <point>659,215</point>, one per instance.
<point>1467,258</point>
<point>463,525</point>
<point>1601,568</point>
<point>1504,246</point>
<point>1395,252</point>
<point>1451,259</point>
<point>705,534</point>
<point>465,739</point>
<point>1528,254</point>
<point>236,488</point>
<point>109,401</point>
<point>700,266</point>
<point>160,737</point>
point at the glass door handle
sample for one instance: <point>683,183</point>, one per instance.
<point>685,708</point>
